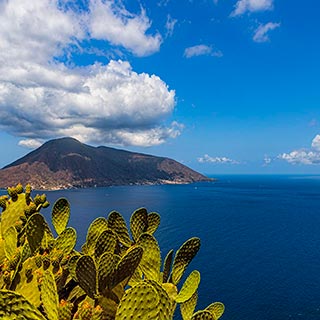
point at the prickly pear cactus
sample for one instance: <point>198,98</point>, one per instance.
<point>60,214</point>
<point>189,287</point>
<point>15,306</point>
<point>116,276</point>
<point>183,257</point>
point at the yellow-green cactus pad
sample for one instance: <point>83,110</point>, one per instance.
<point>217,309</point>
<point>139,302</point>
<point>167,266</point>
<point>72,265</point>
<point>118,225</point>
<point>10,242</point>
<point>19,188</point>
<point>106,270</point>
<point>28,285</point>
<point>106,242</point>
<point>65,310</point>
<point>26,252</point>
<point>171,290</point>
<point>127,265</point>
<point>49,296</point>
<point>97,314</point>
<point>60,214</point>
<point>153,222</point>
<point>14,306</point>
<point>35,230</point>
<point>187,307</point>
<point>183,257</point>
<point>167,305</point>
<point>202,315</point>
<point>86,274</point>
<point>139,223</point>
<point>189,287</point>
<point>3,202</point>
<point>14,208</point>
<point>85,310</point>
<point>151,259</point>
<point>95,229</point>
<point>66,241</point>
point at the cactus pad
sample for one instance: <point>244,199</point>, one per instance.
<point>106,242</point>
<point>35,230</point>
<point>60,214</point>
<point>187,307</point>
<point>127,265</point>
<point>189,287</point>
<point>86,274</point>
<point>183,257</point>
<point>167,305</point>
<point>10,242</point>
<point>118,225</point>
<point>15,306</point>
<point>49,296</point>
<point>139,302</point>
<point>66,241</point>
<point>202,315</point>
<point>153,222</point>
<point>151,259</point>
<point>106,269</point>
<point>72,265</point>
<point>95,229</point>
<point>139,223</point>
<point>10,216</point>
<point>217,309</point>
<point>65,310</point>
<point>166,266</point>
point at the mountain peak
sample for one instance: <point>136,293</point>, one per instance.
<point>68,163</point>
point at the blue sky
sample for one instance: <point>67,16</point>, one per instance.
<point>227,86</point>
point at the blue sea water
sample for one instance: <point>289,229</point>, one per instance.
<point>260,237</point>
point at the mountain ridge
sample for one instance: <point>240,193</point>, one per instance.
<point>67,163</point>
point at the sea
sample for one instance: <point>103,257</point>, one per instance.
<point>260,237</point>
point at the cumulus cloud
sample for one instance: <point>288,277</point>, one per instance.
<point>30,143</point>
<point>217,160</point>
<point>316,142</point>
<point>304,156</point>
<point>41,97</point>
<point>243,6</point>
<point>112,22</point>
<point>201,50</point>
<point>301,157</point>
<point>261,33</point>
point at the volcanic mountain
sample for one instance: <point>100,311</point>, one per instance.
<point>67,163</point>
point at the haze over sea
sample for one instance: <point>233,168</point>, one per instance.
<point>260,252</point>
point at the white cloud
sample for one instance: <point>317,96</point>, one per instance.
<point>112,22</point>
<point>301,157</point>
<point>30,143</point>
<point>243,6</point>
<point>201,50</point>
<point>170,24</point>
<point>216,160</point>
<point>261,33</point>
<point>41,97</point>
<point>316,142</point>
<point>304,156</point>
<point>266,160</point>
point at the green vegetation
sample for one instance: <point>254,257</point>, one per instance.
<point>115,276</point>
